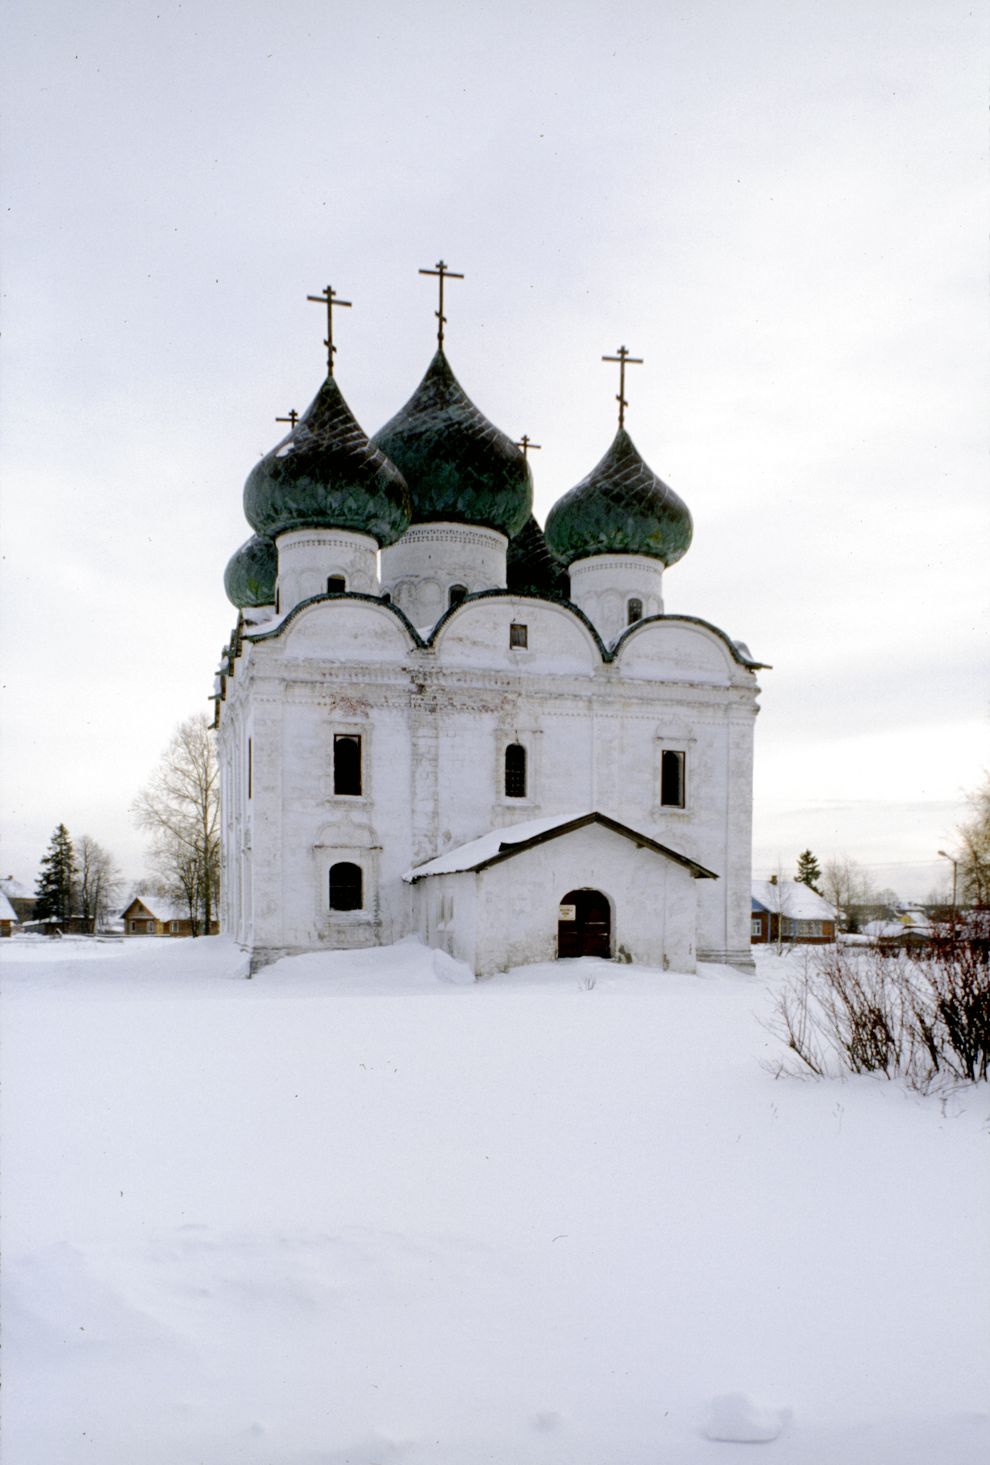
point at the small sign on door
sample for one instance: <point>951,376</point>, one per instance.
<point>568,912</point>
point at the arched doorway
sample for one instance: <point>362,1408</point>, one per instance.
<point>584,925</point>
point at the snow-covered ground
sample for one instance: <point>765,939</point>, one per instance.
<point>356,1211</point>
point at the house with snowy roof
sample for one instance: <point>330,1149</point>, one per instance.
<point>151,915</point>
<point>8,916</point>
<point>789,910</point>
<point>435,717</point>
<point>21,897</point>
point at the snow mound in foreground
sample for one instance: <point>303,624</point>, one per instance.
<point>735,1418</point>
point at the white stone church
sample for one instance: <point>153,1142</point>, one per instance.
<point>434,718</point>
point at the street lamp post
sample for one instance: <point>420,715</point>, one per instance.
<point>955,866</point>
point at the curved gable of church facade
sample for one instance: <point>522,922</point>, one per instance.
<point>675,649</point>
<point>504,632</point>
<point>347,628</point>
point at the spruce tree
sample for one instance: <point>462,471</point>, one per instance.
<point>808,871</point>
<point>55,882</point>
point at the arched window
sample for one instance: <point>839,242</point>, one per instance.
<point>346,887</point>
<point>346,763</point>
<point>336,585</point>
<point>634,612</point>
<point>672,779</point>
<point>515,771</point>
<point>456,594</point>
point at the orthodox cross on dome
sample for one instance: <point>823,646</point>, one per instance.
<point>526,445</point>
<point>442,273</point>
<point>292,418</point>
<point>624,360</point>
<point>329,299</point>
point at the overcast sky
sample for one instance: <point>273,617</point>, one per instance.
<point>782,207</point>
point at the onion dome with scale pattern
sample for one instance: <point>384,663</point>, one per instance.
<point>459,467</point>
<point>249,578</point>
<point>325,474</point>
<point>622,507</point>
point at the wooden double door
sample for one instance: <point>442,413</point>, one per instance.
<point>584,927</point>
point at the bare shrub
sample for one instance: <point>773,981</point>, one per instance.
<point>951,987</point>
<point>922,1017</point>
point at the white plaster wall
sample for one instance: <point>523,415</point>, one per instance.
<point>419,570</point>
<point>445,910</point>
<point>308,557</point>
<point>604,584</point>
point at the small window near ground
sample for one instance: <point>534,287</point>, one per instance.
<point>757,929</point>
<point>518,634</point>
<point>173,926</point>
<point>456,594</point>
<point>672,779</point>
<point>336,585</point>
<point>634,612</point>
<point>346,763</point>
<point>346,887</point>
<point>515,771</point>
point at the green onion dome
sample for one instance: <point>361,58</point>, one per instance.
<point>459,467</point>
<point>622,507</point>
<point>530,567</point>
<point>325,474</point>
<point>249,578</point>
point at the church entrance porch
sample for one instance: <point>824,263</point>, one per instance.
<point>495,902</point>
<point>584,926</point>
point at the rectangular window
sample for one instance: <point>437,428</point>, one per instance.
<point>346,763</point>
<point>515,771</point>
<point>672,779</point>
<point>250,763</point>
<point>173,927</point>
<point>518,634</point>
<point>757,928</point>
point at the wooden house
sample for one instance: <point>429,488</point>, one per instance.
<point>787,910</point>
<point>148,915</point>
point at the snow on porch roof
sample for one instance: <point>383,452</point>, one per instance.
<point>502,844</point>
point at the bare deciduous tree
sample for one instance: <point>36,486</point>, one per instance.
<point>846,885</point>
<point>97,882</point>
<point>974,856</point>
<point>180,807</point>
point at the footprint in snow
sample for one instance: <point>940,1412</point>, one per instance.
<point>735,1418</point>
